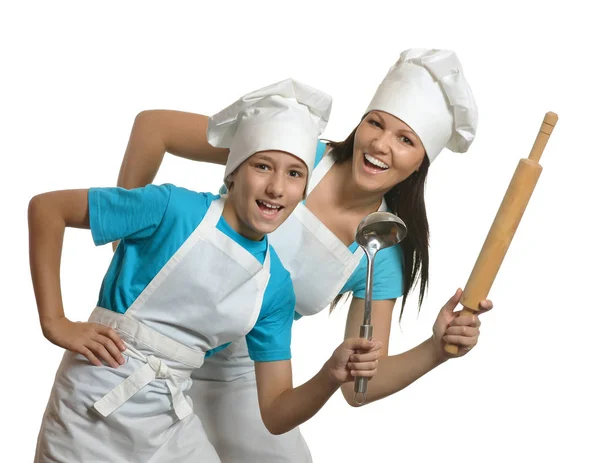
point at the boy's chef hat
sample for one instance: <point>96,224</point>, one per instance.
<point>287,116</point>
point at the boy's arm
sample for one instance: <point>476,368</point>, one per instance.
<point>283,407</point>
<point>48,215</point>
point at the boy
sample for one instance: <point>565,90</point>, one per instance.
<point>193,272</point>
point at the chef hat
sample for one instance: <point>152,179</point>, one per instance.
<point>287,116</point>
<point>427,90</point>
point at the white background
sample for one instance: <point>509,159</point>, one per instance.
<point>75,74</point>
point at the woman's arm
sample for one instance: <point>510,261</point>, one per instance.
<point>158,131</point>
<point>399,371</point>
<point>48,215</point>
<point>283,407</point>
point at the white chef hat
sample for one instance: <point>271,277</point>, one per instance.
<point>287,116</point>
<point>427,90</point>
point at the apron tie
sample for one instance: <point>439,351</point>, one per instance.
<point>153,368</point>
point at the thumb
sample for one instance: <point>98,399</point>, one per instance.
<point>452,302</point>
<point>359,344</point>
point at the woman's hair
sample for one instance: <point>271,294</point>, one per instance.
<point>407,201</point>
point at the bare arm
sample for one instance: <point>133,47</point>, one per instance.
<point>159,131</point>
<point>48,215</point>
<point>399,371</point>
<point>283,408</point>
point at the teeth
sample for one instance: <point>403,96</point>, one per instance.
<point>270,206</point>
<point>376,162</point>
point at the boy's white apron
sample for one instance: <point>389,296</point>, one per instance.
<point>224,389</point>
<point>209,293</point>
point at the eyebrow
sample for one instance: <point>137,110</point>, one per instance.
<point>293,165</point>
<point>297,165</point>
<point>406,129</point>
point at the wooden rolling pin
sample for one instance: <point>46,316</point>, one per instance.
<point>505,224</point>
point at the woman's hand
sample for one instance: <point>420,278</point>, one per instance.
<point>353,358</point>
<point>92,340</point>
<point>453,328</point>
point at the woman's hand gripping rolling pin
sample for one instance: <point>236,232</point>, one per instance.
<point>453,328</point>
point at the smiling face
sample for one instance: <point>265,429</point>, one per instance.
<point>386,151</point>
<point>264,191</point>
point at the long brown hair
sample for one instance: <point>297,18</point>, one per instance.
<point>407,201</point>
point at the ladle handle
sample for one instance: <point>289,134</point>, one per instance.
<point>360,383</point>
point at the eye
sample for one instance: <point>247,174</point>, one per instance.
<point>374,123</point>
<point>296,174</point>
<point>406,140</point>
<point>261,166</point>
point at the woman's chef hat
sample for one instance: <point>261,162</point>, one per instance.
<point>287,116</point>
<point>427,90</point>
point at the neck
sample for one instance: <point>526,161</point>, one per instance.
<point>348,195</point>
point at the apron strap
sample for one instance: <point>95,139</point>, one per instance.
<point>154,368</point>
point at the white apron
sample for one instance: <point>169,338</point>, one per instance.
<point>209,293</point>
<point>224,389</point>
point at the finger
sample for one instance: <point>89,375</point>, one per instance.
<point>466,331</point>
<point>112,349</point>
<point>466,320</point>
<point>486,305</point>
<point>363,365</point>
<point>362,344</point>
<point>88,354</point>
<point>363,373</point>
<point>460,340</point>
<point>111,334</point>
<point>366,357</point>
<point>100,351</point>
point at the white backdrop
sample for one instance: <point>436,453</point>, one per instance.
<point>75,74</point>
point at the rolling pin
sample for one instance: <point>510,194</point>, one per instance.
<point>505,224</point>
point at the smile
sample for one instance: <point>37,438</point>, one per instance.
<point>376,162</point>
<point>268,209</point>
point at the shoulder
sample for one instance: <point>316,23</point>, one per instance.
<point>188,202</point>
<point>390,259</point>
<point>321,149</point>
<point>279,274</point>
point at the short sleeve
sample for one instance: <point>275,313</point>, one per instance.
<point>270,339</point>
<point>387,278</point>
<point>117,213</point>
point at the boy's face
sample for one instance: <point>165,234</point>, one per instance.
<point>264,191</point>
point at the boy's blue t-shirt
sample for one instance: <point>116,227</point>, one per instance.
<point>387,278</point>
<point>152,223</point>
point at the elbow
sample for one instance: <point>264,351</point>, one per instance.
<point>36,206</point>
<point>145,117</point>
<point>273,428</point>
<point>272,423</point>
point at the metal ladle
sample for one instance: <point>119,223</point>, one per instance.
<point>377,231</point>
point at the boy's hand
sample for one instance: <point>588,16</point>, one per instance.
<point>92,340</point>
<point>353,358</point>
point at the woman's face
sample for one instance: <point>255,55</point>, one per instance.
<point>265,190</point>
<point>386,152</point>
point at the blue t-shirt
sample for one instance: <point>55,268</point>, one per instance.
<point>387,278</point>
<point>152,223</point>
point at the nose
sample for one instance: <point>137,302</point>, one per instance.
<point>276,185</point>
<point>381,144</point>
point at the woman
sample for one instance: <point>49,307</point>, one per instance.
<point>423,105</point>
